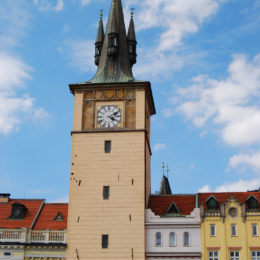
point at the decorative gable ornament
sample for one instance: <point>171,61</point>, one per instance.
<point>59,217</point>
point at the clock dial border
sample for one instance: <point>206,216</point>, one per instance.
<point>120,106</point>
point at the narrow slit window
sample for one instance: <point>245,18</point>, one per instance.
<point>104,241</point>
<point>106,190</point>
<point>107,146</point>
<point>234,230</point>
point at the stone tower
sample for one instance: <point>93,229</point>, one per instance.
<point>110,157</point>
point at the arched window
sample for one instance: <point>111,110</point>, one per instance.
<point>186,239</point>
<point>158,239</point>
<point>172,239</point>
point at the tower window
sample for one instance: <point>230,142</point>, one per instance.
<point>106,192</point>
<point>107,146</point>
<point>104,241</point>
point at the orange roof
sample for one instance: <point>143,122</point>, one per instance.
<point>159,204</point>
<point>48,213</point>
<point>222,197</point>
<point>32,206</point>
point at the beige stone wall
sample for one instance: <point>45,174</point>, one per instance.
<point>122,217</point>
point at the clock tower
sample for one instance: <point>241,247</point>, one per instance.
<point>110,157</point>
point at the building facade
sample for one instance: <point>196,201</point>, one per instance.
<point>230,225</point>
<point>32,229</point>
<point>173,227</point>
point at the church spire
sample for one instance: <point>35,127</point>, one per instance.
<point>99,39</point>
<point>131,40</point>
<point>115,65</point>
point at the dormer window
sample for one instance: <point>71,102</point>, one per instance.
<point>173,209</point>
<point>59,217</point>
<point>18,211</point>
<point>252,202</point>
<point>212,203</point>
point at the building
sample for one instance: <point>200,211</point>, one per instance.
<point>32,229</point>
<point>110,158</point>
<point>172,225</point>
<point>230,225</point>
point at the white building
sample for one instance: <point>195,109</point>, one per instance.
<point>173,228</point>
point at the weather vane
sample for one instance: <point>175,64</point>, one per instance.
<point>101,13</point>
<point>132,12</point>
<point>167,171</point>
<point>163,167</point>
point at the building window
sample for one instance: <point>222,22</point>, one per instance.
<point>212,230</point>
<point>256,255</point>
<point>254,230</point>
<point>158,239</point>
<point>186,239</point>
<point>234,230</point>
<point>104,241</point>
<point>172,239</point>
<point>8,254</point>
<point>213,255</point>
<point>106,192</point>
<point>234,255</point>
<point>107,146</point>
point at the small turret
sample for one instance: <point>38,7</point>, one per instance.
<point>113,36</point>
<point>131,40</point>
<point>99,40</point>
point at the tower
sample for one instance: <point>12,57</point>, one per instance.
<point>110,157</point>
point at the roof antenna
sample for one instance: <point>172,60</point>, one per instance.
<point>163,167</point>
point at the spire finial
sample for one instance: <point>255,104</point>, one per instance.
<point>101,14</point>
<point>167,171</point>
<point>163,166</point>
<point>132,12</point>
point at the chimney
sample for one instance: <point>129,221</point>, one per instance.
<point>4,197</point>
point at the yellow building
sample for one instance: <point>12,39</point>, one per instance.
<point>230,225</point>
<point>110,159</point>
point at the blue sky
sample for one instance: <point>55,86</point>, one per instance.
<point>202,58</point>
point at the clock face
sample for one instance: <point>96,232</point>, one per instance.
<point>109,116</point>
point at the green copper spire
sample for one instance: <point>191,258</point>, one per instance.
<point>115,64</point>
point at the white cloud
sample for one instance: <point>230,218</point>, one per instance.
<point>176,19</point>
<point>230,104</point>
<point>159,147</point>
<point>168,112</point>
<point>205,189</point>
<point>14,17</point>
<point>80,54</point>
<point>237,186</point>
<point>85,2</point>
<point>252,160</point>
<point>46,5</point>
<point>13,75</point>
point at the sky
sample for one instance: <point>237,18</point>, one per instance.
<point>202,58</point>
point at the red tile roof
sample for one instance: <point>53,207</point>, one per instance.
<point>159,204</point>
<point>222,197</point>
<point>48,214</point>
<point>32,206</point>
